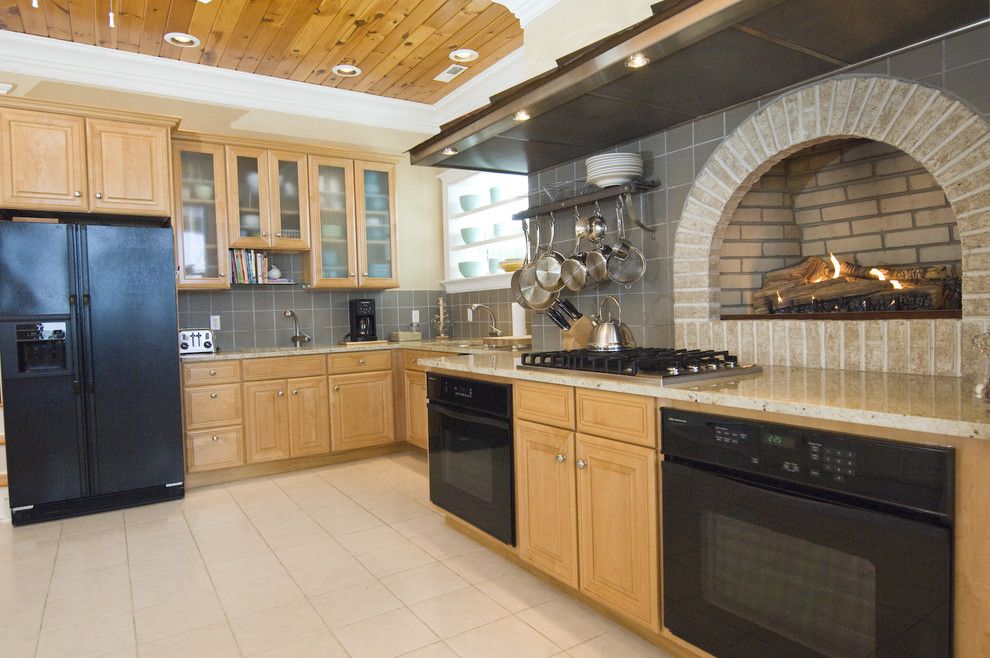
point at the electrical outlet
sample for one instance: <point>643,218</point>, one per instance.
<point>215,322</point>
<point>415,315</point>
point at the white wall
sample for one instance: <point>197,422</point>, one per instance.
<point>418,190</point>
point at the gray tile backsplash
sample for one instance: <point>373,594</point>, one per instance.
<point>959,64</point>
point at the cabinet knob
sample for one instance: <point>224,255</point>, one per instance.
<point>278,235</point>
<point>264,234</point>
<point>213,396</point>
<point>212,373</point>
<point>77,194</point>
<point>581,464</point>
<point>561,459</point>
<point>221,274</point>
<point>351,274</point>
<point>364,274</point>
<point>215,438</point>
<point>281,394</point>
<point>336,388</point>
<point>295,391</point>
<point>99,195</point>
<point>361,361</point>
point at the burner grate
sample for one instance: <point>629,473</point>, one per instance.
<point>666,362</point>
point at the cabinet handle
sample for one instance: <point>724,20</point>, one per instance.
<point>99,195</point>
<point>336,388</point>
<point>281,394</point>
<point>213,396</point>
<point>215,438</point>
<point>561,459</point>
<point>77,194</point>
<point>581,464</point>
<point>212,373</point>
<point>295,391</point>
<point>278,235</point>
<point>361,361</point>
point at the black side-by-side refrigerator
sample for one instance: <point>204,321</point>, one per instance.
<point>90,368</point>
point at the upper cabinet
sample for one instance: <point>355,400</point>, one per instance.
<point>268,199</point>
<point>333,260</point>
<point>200,223</point>
<point>377,249</point>
<point>61,162</point>
<point>44,161</point>
<point>128,168</point>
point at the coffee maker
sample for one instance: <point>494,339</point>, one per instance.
<point>362,312</point>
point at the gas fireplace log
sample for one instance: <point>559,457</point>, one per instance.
<point>767,301</point>
<point>897,273</point>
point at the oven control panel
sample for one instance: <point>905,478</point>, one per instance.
<point>841,462</point>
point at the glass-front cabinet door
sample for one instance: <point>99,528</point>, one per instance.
<point>377,260</point>
<point>333,258</point>
<point>248,197</point>
<point>290,201</point>
<point>200,236</point>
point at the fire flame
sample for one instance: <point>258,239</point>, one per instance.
<point>878,273</point>
<point>779,298</point>
<point>897,284</point>
<point>836,265</point>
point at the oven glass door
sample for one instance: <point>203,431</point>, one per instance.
<point>471,468</point>
<point>753,571</point>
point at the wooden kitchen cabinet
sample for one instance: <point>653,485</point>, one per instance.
<point>546,503</point>
<point>128,168</point>
<point>290,201</point>
<point>309,416</point>
<point>376,237</point>
<point>266,421</point>
<point>43,163</point>
<point>417,417</point>
<point>212,449</point>
<point>267,199</point>
<point>212,406</point>
<point>333,258</point>
<point>617,527</point>
<point>201,217</point>
<point>361,410</point>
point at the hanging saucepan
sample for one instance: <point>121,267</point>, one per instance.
<point>524,287</point>
<point>596,260</point>
<point>548,265</point>
<point>625,264</point>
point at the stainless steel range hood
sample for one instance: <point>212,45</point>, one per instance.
<point>705,55</point>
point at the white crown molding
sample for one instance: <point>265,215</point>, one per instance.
<point>527,10</point>
<point>95,66</point>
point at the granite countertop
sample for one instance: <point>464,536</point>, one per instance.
<point>452,346</point>
<point>921,403</point>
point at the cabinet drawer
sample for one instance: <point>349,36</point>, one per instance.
<point>345,362</point>
<point>212,406</point>
<point>619,416</point>
<point>548,404</point>
<point>212,372</point>
<point>212,449</point>
<point>284,367</point>
<point>409,358</point>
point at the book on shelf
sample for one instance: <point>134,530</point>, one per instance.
<point>251,267</point>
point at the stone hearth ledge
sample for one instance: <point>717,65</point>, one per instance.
<point>919,403</point>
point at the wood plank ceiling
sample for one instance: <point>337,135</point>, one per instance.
<point>400,45</point>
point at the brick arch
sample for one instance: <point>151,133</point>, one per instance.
<point>937,130</point>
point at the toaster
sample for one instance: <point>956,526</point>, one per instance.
<point>196,341</point>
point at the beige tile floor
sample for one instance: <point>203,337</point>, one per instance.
<point>347,560</point>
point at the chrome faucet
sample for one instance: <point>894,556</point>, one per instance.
<point>298,337</point>
<point>493,331</point>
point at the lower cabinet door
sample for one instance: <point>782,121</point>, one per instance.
<point>212,449</point>
<point>266,421</point>
<point>617,527</point>
<point>546,506</point>
<point>309,416</point>
<point>417,417</point>
<point>361,410</point>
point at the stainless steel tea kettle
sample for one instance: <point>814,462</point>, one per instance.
<point>610,335</point>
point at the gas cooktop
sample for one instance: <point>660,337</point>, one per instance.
<point>667,364</point>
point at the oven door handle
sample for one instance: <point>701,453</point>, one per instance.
<point>470,418</point>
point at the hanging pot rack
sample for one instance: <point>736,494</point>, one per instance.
<point>573,202</point>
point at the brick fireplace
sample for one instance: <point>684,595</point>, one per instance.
<point>879,170</point>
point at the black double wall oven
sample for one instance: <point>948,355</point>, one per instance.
<point>471,460</point>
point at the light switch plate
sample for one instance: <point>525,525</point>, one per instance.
<point>215,322</point>
<point>415,315</point>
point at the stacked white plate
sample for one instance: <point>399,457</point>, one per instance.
<point>613,169</point>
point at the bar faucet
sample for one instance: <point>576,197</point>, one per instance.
<point>298,337</point>
<point>493,331</point>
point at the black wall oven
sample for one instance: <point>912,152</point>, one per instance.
<point>781,541</point>
<point>471,464</point>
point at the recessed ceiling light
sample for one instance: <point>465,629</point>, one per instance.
<point>346,70</point>
<point>463,55</point>
<point>182,40</point>
<point>521,115</point>
<point>638,60</point>
<point>450,150</point>
<point>6,87</point>
<point>204,2</point>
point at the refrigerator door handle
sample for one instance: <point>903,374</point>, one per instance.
<point>86,299</point>
<point>72,299</point>
<point>76,388</point>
